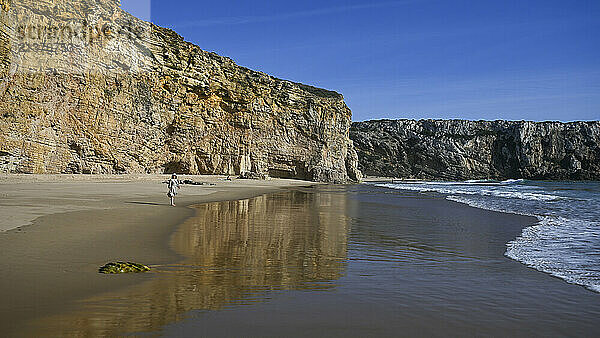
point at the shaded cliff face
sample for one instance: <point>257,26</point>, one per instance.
<point>87,88</point>
<point>460,150</point>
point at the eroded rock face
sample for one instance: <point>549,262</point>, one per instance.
<point>461,150</point>
<point>87,88</point>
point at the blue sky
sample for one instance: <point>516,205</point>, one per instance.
<point>532,60</point>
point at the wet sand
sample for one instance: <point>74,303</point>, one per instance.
<point>415,265</point>
<point>58,229</point>
<point>327,261</point>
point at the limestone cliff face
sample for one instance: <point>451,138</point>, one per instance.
<point>460,150</point>
<point>88,88</point>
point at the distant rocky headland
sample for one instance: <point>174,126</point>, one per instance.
<point>463,150</point>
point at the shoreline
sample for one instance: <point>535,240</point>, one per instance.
<point>462,248</point>
<point>56,231</point>
<point>401,278</point>
<point>546,220</point>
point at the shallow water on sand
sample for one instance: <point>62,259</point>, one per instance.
<point>342,261</point>
<point>564,243</point>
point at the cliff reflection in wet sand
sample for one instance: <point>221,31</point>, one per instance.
<point>234,253</point>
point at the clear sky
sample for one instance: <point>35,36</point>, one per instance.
<point>477,59</point>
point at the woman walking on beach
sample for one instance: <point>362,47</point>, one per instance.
<point>173,185</point>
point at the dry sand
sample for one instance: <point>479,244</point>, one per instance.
<point>56,230</point>
<point>24,198</point>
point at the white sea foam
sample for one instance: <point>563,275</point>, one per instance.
<point>466,189</point>
<point>560,247</point>
<point>513,181</point>
<point>522,195</point>
<point>564,243</point>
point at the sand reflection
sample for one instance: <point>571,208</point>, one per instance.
<point>235,253</point>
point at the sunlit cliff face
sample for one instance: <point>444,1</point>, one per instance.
<point>88,88</point>
<point>235,253</point>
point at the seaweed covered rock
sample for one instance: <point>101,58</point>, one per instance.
<point>123,267</point>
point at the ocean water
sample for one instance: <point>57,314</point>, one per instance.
<point>565,243</point>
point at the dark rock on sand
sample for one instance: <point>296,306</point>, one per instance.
<point>461,150</point>
<point>123,267</point>
<point>190,182</point>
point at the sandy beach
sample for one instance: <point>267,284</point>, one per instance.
<point>56,230</point>
<point>272,258</point>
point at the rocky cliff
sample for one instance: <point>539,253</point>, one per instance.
<point>88,88</point>
<point>461,150</point>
